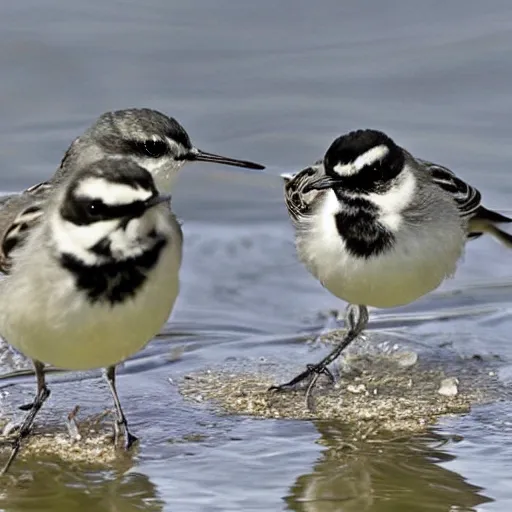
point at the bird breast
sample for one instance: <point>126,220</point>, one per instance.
<point>420,257</point>
<point>47,318</point>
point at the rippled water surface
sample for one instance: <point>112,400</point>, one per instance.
<point>274,82</point>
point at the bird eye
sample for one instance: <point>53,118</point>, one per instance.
<point>95,208</point>
<point>155,148</point>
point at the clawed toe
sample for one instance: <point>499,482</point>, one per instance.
<point>280,388</point>
<point>129,440</point>
<point>312,370</point>
<point>121,432</point>
<point>319,369</point>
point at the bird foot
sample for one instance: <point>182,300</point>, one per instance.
<point>121,432</point>
<point>312,370</point>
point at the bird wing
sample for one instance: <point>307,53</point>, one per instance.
<point>466,197</point>
<point>18,215</point>
<point>39,188</point>
<point>297,202</point>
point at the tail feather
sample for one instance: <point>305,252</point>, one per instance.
<point>484,221</point>
<point>491,216</point>
<point>502,236</point>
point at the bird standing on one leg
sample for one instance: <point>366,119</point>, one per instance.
<point>378,227</point>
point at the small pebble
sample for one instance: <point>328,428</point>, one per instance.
<point>406,359</point>
<point>360,388</point>
<point>449,387</point>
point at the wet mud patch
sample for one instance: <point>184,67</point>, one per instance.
<point>379,388</point>
<point>88,442</point>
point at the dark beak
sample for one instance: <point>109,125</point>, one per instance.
<point>320,184</point>
<point>154,200</point>
<point>201,156</point>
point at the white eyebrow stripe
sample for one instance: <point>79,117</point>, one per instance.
<point>345,169</point>
<point>111,193</point>
<point>369,157</point>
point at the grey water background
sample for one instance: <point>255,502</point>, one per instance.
<point>275,82</point>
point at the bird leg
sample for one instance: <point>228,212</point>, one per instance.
<point>120,423</point>
<point>42,395</point>
<point>356,320</point>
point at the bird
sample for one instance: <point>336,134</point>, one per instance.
<point>94,280</point>
<point>379,227</point>
<point>150,138</point>
<point>147,137</point>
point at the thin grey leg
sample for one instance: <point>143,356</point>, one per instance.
<point>42,395</point>
<point>356,320</point>
<point>120,424</point>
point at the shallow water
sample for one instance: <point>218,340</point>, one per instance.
<point>272,82</point>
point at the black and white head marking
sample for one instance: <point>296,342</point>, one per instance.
<point>104,231</point>
<point>155,141</point>
<point>365,168</point>
<point>97,194</point>
<point>143,133</point>
<point>364,161</point>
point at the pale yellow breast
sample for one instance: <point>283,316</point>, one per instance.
<point>61,328</point>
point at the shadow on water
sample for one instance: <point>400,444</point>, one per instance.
<point>384,476</point>
<point>50,485</point>
<point>394,474</point>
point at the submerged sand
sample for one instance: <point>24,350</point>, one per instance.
<point>375,392</point>
<point>91,442</point>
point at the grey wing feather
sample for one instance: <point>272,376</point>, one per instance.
<point>39,188</point>
<point>467,198</point>
<point>18,215</point>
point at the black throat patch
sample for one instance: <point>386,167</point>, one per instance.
<point>358,225</point>
<point>115,281</point>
